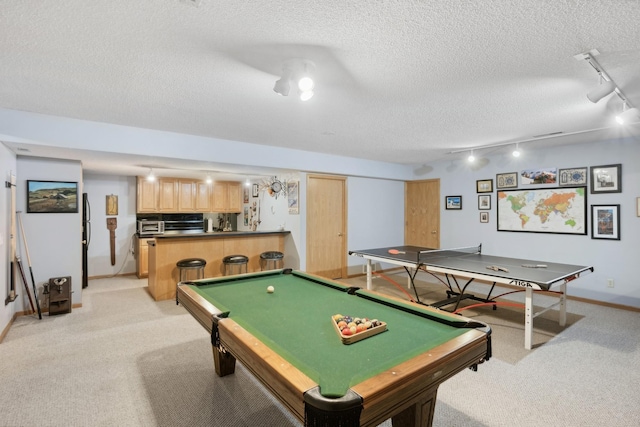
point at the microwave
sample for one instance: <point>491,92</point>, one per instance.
<point>150,227</point>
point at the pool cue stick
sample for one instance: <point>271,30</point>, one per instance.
<point>26,283</point>
<point>33,281</point>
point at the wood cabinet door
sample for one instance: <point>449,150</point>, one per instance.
<point>219,197</point>
<point>147,196</point>
<point>234,202</point>
<point>167,195</point>
<point>202,197</point>
<point>186,195</point>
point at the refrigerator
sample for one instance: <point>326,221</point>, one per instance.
<point>86,238</point>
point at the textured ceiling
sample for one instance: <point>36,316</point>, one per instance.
<point>397,81</point>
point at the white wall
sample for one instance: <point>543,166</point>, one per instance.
<point>611,259</point>
<point>53,239</point>
<point>98,187</point>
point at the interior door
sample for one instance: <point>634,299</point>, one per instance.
<point>422,213</point>
<point>326,226</point>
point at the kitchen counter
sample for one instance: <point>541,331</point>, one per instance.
<point>219,234</point>
<point>167,249</point>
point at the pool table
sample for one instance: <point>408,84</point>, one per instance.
<point>288,341</point>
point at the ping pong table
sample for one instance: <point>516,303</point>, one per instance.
<point>470,264</point>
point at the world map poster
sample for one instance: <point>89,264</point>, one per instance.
<point>545,210</point>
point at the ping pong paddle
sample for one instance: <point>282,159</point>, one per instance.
<point>396,252</point>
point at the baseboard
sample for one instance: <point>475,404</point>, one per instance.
<point>5,331</point>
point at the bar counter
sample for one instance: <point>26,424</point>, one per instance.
<point>168,249</point>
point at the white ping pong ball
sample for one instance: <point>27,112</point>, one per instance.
<point>270,289</point>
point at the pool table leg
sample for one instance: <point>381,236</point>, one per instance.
<point>419,414</point>
<point>223,361</point>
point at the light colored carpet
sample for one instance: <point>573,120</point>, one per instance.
<point>123,359</point>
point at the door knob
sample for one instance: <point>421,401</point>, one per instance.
<point>434,232</point>
<point>340,234</point>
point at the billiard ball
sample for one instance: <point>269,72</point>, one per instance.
<point>270,289</point>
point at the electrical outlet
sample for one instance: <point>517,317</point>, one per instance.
<point>609,283</point>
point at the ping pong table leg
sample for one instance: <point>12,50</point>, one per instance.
<point>368,274</point>
<point>562,317</point>
<point>528,318</point>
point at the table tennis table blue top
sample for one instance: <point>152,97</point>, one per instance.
<point>465,260</point>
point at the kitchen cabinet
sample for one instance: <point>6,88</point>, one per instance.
<point>167,195</point>
<point>146,196</point>
<point>227,197</point>
<point>141,248</point>
<point>177,195</point>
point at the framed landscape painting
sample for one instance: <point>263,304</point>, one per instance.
<point>559,210</point>
<point>52,197</point>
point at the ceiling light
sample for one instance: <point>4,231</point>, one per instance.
<point>471,157</point>
<point>247,183</point>
<point>516,151</point>
<point>306,95</point>
<point>209,180</point>
<point>631,115</point>
<point>299,72</point>
<point>605,88</point>
<point>283,86</point>
<point>151,177</point>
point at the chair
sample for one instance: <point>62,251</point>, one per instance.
<point>271,260</point>
<point>187,266</point>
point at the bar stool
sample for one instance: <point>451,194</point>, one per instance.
<point>190,265</point>
<point>271,260</point>
<point>235,264</point>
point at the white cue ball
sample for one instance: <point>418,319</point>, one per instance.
<point>270,289</point>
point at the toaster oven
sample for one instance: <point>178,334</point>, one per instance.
<point>150,227</point>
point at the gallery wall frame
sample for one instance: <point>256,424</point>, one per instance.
<point>573,176</point>
<point>606,179</point>
<point>484,186</point>
<point>484,202</point>
<point>507,180</point>
<point>453,202</point>
<point>539,176</point>
<point>557,210</point>
<point>52,196</point>
<point>605,222</point>
<point>484,217</point>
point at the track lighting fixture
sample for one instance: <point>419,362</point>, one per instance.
<point>151,177</point>
<point>605,88</point>
<point>209,180</point>
<point>630,115</point>
<point>299,72</point>
<point>516,151</point>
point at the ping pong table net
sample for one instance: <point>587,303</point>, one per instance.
<point>449,253</point>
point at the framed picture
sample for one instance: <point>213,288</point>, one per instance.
<point>538,176</point>
<point>484,216</point>
<point>112,204</point>
<point>52,197</point>
<point>558,210</point>
<point>572,176</point>
<point>255,190</point>
<point>484,202</point>
<point>245,198</point>
<point>484,186</point>
<point>453,202</point>
<point>605,222</point>
<point>292,197</point>
<point>507,180</point>
<point>606,179</point>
